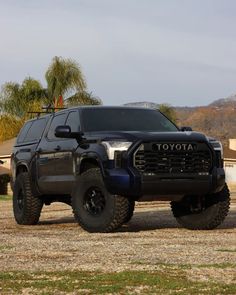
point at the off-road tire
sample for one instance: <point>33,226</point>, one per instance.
<point>115,208</point>
<point>130,212</point>
<point>217,208</point>
<point>26,206</point>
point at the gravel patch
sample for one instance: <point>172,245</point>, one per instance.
<point>151,239</point>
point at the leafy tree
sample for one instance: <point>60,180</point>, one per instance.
<point>63,77</point>
<point>168,111</point>
<point>83,98</point>
<point>14,124</point>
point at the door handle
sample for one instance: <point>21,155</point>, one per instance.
<point>57,148</point>
<point>25,150</point>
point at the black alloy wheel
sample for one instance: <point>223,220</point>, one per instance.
<point>20,200</point>
<point>94,201</point>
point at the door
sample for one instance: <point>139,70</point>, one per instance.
<point>56,157</point>
<point>65,155</point>
<point>46,168</point>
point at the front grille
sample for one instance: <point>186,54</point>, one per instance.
<point>150,161</point>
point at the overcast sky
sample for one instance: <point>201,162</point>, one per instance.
<point>181,52</point>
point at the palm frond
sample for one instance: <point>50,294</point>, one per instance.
<point>83,98</point>
<point>63,76</point>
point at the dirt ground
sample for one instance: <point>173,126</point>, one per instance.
<point>150,239</point>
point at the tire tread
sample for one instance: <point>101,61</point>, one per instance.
<point>223,204</point>
<point>33,205</point>
<point>120,211</point>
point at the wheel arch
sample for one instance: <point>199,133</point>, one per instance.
<point>21,168</point>
<point>89,161</point>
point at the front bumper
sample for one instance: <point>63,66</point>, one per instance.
<point>132,183</point>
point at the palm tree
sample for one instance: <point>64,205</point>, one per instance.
<point>17,100</point>
<point>83,98</point>
<point>63,77</point>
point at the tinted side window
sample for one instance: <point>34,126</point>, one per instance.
<point>56,121</point>
<point>36,130</point>
<point>73,121</point>
<point>23,132</point>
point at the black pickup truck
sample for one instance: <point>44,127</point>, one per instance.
<point>100,160</point>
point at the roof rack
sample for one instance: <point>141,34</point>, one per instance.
<point>48,110</point>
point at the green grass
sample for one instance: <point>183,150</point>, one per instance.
<point>164,281</point>
<point>188,266</point>
<point>5,197</point>
<point>5,247</point>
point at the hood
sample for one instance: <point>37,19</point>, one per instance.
<point>134,136</point>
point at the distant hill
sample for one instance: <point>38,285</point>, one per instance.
<point>218,119</point>
<point>225,102</point>
<point>221,103</point>
<point>144,104</point>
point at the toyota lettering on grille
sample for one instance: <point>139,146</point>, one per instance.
<point>173,147</point>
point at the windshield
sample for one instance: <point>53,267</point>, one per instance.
<point>125,119</point>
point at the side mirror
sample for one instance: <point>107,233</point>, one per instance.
<point>186,128</point>
<point>64,131</point>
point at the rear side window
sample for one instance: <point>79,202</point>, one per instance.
<point>32,131</point>
<point>23,132</point>
<point>36,130</point>
<point>56,121</point>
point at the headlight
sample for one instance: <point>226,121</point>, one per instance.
<point>217,145</point>
<point>112,146</point>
